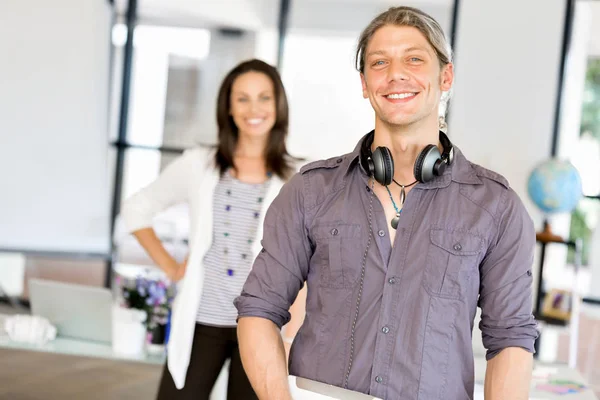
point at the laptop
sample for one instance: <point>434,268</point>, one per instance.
<point>307,389</point>
<point>77,311</point>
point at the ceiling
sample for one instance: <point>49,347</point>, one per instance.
<point>251,14</point>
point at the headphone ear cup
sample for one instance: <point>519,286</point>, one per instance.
<point>383,165</point>
<point>418,171</point>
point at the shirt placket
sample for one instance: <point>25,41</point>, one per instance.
<point>389,323</point>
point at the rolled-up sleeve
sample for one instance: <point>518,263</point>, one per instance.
<point>506,281</point>
<point>281,267</point>
<point>170,188</point>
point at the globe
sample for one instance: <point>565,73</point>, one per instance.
<point>555,186</point>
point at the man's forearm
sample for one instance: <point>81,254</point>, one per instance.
<point>508,375</point>
<point>263,358</point>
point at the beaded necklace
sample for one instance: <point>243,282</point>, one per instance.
<point>256,206</point>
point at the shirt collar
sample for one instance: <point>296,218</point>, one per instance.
<point>460,171</point>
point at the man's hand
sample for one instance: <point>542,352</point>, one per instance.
<point>508,375</point>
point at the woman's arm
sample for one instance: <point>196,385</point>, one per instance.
<point>139,210</point>
<point>151,243</point>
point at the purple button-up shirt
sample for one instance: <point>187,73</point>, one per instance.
<point>464,240</point>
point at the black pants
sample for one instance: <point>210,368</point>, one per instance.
<point>211,347</point>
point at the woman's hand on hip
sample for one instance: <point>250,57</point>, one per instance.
<point>177,271</point>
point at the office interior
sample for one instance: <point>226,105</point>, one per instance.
<point>98,97</point>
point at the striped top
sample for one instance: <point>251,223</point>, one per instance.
<point>237,207</point>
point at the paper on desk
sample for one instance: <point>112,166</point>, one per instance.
<point>478,393</point>
<point>305,389</point>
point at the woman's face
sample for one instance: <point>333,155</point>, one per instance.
<point>252,104</point>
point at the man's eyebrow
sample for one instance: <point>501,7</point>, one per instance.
<point>416,48</point>
<point>383,52</point>
<point>377,52</point>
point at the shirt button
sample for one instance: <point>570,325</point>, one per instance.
<point>378,379</point>
<point>334,231</point>
<point>339,160</point>
<point>385,330</point>
<point>457,247</point>
<point>381,233</point>
<point>391,281</point>
<point>528,272</point>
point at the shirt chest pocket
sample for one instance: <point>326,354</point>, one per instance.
<point>453,257</point>
<point>337,254</point>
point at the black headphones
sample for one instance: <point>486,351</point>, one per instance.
<point>429,164</point>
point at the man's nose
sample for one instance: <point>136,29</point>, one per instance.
<point>397,72</point>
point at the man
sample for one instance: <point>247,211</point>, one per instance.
<point>396,255</point>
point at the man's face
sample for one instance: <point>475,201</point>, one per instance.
<point>402,76</point>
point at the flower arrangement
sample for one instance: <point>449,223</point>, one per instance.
<point>150,295</point>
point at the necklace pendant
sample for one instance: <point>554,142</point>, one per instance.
<point>395,221</point>
<point>402,197</point>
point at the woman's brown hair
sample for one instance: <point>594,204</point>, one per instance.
<point>277,158</point>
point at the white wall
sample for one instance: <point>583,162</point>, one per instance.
<point>53,125</point>
<point>594,43</point>
<point>507,67</point>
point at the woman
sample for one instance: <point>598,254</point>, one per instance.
<point>229,189</point>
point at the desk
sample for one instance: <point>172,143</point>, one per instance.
<point>81,348</point>
<point>542,374</point>
<point>74,347</point>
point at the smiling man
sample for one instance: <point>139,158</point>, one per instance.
<point>399,241</point>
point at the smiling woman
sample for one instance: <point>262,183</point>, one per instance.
<point>252,115</point>
<point>228,189</point>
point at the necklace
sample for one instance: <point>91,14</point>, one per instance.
<point>403,186</point>
<point>396,219</point>
<point>231,234</point>
<point>402,198</point>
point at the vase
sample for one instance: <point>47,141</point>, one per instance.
<point>158,334</point>
<point>128,330</point>
<point>156,339</point>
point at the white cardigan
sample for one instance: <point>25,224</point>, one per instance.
<point>191,178</point>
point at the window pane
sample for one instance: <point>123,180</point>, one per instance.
<point>165,70</point>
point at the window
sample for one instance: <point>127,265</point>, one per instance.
<point>585,217</point>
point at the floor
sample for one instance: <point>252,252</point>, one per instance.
<point>26,375</point>
<point>29,375</point>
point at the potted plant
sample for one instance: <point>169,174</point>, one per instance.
<point>158,304</point>
<point>141,315</point>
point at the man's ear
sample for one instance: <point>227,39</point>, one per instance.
<point>364,86</point>
<point>447,77</point>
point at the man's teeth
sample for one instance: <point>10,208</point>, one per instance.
<point>255,121</point>
<point>400,95</point>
